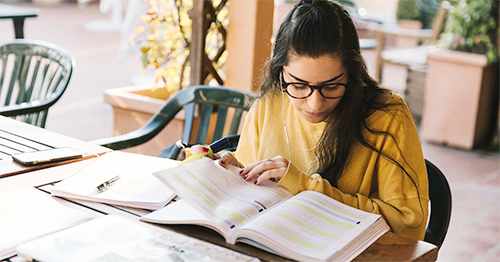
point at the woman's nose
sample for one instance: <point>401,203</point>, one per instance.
<point>315,100</point>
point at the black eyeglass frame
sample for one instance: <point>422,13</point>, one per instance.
<point>285,85</point>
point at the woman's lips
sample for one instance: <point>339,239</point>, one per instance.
<point>315,114</point>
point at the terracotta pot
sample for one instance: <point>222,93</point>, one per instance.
<point>133,106</point>
<point>460,101</point>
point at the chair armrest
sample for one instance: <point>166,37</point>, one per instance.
<point>184,99</point>
<point>146,132</point>
<point>28,107</point>
<point>134,138</point>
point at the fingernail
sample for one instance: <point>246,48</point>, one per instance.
<point>205,150</point>
<point>245,176</point>
<point>221,162</point>
<point>240,172</point>
<point>255,182</point>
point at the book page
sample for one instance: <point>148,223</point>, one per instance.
<point>136,186</point>
<point>180,212</point>
<point>220,194</point>
<point>28,213</point>
<point>311,224</point>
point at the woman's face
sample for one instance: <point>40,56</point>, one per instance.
<point>318,72</point>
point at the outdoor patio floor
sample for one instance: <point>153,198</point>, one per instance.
<point>474,176</point>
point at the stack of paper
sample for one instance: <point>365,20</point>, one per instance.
<point>114,238</point>
<point>131,181</point>
<point>28,213</point>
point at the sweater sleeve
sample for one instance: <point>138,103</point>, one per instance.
<point>405,216</point>
<point>384,188</point>
<point>248,144</point>
<point>297,181</point>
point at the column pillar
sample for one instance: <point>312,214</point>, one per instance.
<point>248,42</point>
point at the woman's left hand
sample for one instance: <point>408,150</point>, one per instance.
<point>268,169</point>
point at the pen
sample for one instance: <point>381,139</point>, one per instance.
<point>223,143</point>
<point>105,185</point>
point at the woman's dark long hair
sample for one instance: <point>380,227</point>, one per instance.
<point>314,29</point>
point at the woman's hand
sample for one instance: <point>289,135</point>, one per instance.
<point>269,169</point>
<point>225,158</point>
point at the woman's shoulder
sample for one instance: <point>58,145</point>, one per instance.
<point>388,97</point>
<point>384,99</point>
<point>394,98</point>
<point>267,102</point>
<point>389,105</point>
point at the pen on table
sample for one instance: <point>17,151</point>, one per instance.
<point>105,185</point>
<point>223,143</point>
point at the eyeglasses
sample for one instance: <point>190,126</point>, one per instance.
<point>303,90</point>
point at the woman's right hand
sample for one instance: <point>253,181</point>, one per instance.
<point>268,169</point>
<point>225,158</point>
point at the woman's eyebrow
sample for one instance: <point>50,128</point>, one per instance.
<point>324,82</point>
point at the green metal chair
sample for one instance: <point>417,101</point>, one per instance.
<point>33,76</point>
<point>205,107</point>
<point>440,197</point>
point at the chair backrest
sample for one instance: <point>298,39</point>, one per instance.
<point>440,197</point>
<point>33,76</point>
<point>438,22</point>
<point>211,113</point>
<point>221,108</point>
<point>409,55</point>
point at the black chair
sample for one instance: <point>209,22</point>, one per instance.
<point>440,213</point>
<point>33,76</point>
<point>220,112</point>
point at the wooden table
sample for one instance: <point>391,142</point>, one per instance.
<point>390,247</point>
<point>17,14</point>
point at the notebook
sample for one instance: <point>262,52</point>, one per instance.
<point>119,178</point>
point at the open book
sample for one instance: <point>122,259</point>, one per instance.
<point>308,226</point>
<point>133,183</point>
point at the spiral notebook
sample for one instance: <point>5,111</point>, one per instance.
<point>119,178</point>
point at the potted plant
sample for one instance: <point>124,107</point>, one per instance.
<point>461,92</point>
<point>164,40</point>
<point>165,36</point>
<point>415,14</point>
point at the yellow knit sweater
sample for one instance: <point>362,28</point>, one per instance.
<point>369,181</point>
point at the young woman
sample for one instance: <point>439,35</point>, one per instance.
<point>322,123</point>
